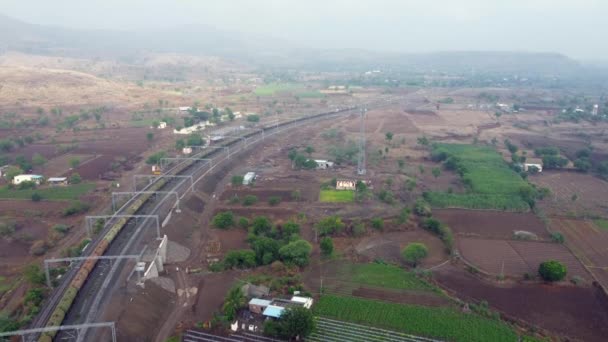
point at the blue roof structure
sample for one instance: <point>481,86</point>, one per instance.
<point>273,311</point>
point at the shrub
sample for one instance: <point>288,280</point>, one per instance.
<point>274,200</point>
<point>552,270</point>
<point>250,200</point>
<point>243,222</point>
<point>61,228</point>
<point>34,275</point>
<point>240,259</point>
<point>237,180</point>
<point>223,220</point>
<point>377,223</point>
<point>327,246</point>
<point>75,178</point>
<point>7,229</point>
<point>36,197</point>
<point>359,229</point>
<point>329,225</point>
<point>404,215</point>
<point>76,208</point>
<point>27,185</point>
<point>557,237</point>
<point>414,252</point>
<point>422,208</point>
<point>39,247</point>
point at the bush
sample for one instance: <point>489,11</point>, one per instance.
<point>39,247</point>
<point>296,253</point>
<point>7,229</point>
<point>274,200</point>
<point>61,228</point>
<point>237,180</point>
<point>414,252</point>
<point>26,185</point>
<point>36,197</point>
<point>34,275</point>
<point>75,178</point>
<point>253,118</point>
<point>243,222</point>
<point>327,246</point>
<point>377,223</point>
<point>244,258</point>
<point>250,200</point>
<point>359,229</point>
<point>422,208</point>
<point>330,225</point>
<point>76,208</point>
<point>557,237</point>
<point>223,220</point>
<point>552,270</point>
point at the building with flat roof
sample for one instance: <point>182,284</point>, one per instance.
<point>27,178</point>
<point>57,181</point>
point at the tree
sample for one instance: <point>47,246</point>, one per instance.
<point>274,200</point>
<point>436,172</point>
<point>414,252</point>
<point>244,258</point>
<point>231,115</point>
<point>234,301</point>
<point>180,144</point>
<point>36,197</point>
<point>266,250</point>
<point>74,163</point>
<point>296,322</point>
<point>223,220</point>
<point>309,149</point>
<point>11,172</point>
<point>253,118</point>
<point>33,274</point>
<point>329,225</point>
<point>552,270</point>
<point>75,178</point>
<point>388,136</point>
<point>155,158</point>
<point>261,225</point>
<point>38,159</point>
<point>582,164</point>
<point>378,223</point>
<point>296,252</point>
<point>327,246</point>
<point>150,136</point>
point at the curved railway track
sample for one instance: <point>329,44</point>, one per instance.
<point>119,234</point>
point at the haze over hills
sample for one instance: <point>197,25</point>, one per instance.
<point>16,35</point>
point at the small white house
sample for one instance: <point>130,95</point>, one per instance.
<point>248,178</point>
<point>184,109</point>
<point>343,184</point>
<point>27,178</point>
<point>162,125</point>
<point>187,150</point>
<point>304,301</point>
<point>324,164</point>
<point>533,163</point>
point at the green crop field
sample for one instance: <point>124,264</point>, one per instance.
<point>601,223</point>
<point>491,183</point>
<point>272,88</point>
<point>443,323</point>
<point>381,275</point>
<point>338,196</point>
<point>70,192</point>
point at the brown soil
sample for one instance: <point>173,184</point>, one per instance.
<point>514,258</point>
<point>212,290</point>
<point>578,312</point>
<point>490,224</point>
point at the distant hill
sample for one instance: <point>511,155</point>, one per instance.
<point>16,35</point>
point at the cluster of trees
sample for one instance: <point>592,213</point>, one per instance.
<point>551,157</point>
<point>155,158</point>
<point>423,209</point>
<point>268,242</point>
<point>295,323</point>
<point>300,160</point>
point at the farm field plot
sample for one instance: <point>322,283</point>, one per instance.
<point>330,330</point>
<point>575,311</point>
<point>491,224</point>
<point>591,192</point>
<point>385,120</point>
<point>588,242</point>
<point>493,185</point>
<point>379,282</point>
<point>337,196</point>
<point>60,165</point>
<point>70,192</point>
<point>423,118</point>
<point>514,258</point>
<point>443,323</point>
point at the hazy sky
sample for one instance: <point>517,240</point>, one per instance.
<point>577,28</point>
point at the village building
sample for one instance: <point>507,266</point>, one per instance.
<point>324,164</point>
<point>28,178</point>
<point>249,178</point>
<point>58,181</point>
<point>344,184</point>
<point>533,163</point>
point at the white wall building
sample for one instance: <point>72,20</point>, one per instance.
<point>27,178</point>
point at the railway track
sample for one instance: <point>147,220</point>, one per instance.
<point>83,308</point>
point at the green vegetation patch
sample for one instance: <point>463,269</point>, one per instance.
<point>386,276</point>
<point>491,184</point>
<point>601,224</point>
<point>58,193</point>
<point>444,323</point>
<point>336,196</point>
